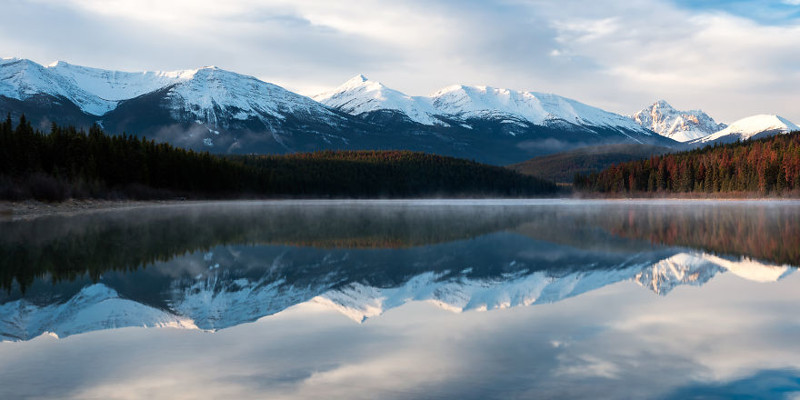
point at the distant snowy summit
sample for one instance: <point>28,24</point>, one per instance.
<point>696,128</point>
<point>683,126</point>
<point>754,127</point>
<point>462,103</point>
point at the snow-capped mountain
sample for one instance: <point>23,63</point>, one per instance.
<point>158,103</point>
<point>483,102</point>
<point>754,127</point>
<point>115,86</point>
<point>213,95</point>
<point>196,94</point>
<point>23,79</point>
<point>221,111</point>
<point>359,95</point>
<point>682,126</point>
<point>463,103</point>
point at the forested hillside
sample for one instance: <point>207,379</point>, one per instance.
<point>69,163</point>
<point>562,167</point>
<point>765,166</point>
<point>390,174</point>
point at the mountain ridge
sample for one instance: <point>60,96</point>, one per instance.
<point>463,102</point>
<point>752,127</point>
<point>211,109</point>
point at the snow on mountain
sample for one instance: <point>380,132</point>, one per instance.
<point>199,94</point>
<point>214,93</point>
<point>683,126</point>
<point>117,85</point>
<point>22,79</point>
<point>95,307</point>
<point>360,95</point>
<point>537,108</point>
<point>747,128</point>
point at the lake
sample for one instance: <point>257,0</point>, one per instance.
<point>404,299</point>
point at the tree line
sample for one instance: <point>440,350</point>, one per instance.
<point>766,166</point>
<point>71,163</point>
<point>373,173</point>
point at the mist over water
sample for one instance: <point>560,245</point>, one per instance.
<point>404,299</point>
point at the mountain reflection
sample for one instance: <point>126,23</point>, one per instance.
<point>215,266</point>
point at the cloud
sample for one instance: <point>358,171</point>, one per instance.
<point>731,59</point>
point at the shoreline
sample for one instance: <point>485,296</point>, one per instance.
<point>30,209</point>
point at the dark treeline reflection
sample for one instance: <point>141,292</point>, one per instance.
<point>765,231</point>
<point>769,233</point>
<point>67,248</point>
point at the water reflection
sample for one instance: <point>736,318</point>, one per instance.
<point>216,266</point>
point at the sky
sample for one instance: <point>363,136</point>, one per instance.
<point>730,58</point>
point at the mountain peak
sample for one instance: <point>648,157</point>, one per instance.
<point>360,78</point>
<point>17,60</point>
<point>360,81</point>
<point>683,126</point>
<point>662,104</point>
<point>360,95</point>
<point>58,63</point>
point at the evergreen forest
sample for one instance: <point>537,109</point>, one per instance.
<point>769,166</point>
<point>70,163</point>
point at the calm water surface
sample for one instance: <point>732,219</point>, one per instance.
<point>404,299</point>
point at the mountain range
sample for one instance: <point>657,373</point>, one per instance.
<point>225,112</point>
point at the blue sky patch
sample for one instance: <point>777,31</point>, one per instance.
<point>768,12</point>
